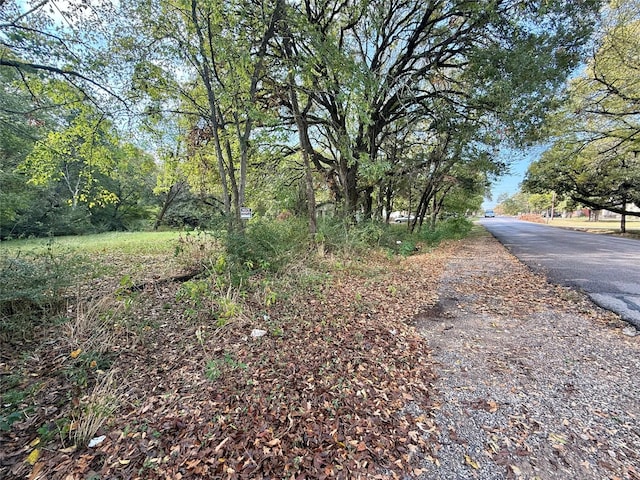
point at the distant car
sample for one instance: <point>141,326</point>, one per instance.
<point>403,219</point>
<point>489,214</point>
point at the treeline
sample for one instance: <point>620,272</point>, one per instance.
<point>136,114</point>
<point>594,157</point>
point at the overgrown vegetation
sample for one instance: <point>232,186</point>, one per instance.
<point>268,280</point>
<point>35,286</point>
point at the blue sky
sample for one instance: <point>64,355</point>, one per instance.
<point>519,161</point>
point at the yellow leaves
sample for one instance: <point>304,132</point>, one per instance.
<point>33,457</point>
<point>471,462</point>
<point>557,440</point>
<point>76,353</point>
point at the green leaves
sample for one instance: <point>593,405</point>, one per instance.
<point>594,159</point>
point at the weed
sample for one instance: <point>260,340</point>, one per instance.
<point>8,419</point>
<point>270,298</point>
<point>212,370</point>
<point>92,328</point>
<point>33,286</point>
<point>15,400</point>
<point>95,409</point>
<point>210,298</point>
<point>194,250</point>
<point>216,367</point>
<point>60,428</point>
<point>85,367</point>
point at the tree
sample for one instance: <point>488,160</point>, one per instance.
<point>76,155</point>
<point>216,52</point>
<point>361,67</point>
<point>62,40</point>
<point>594,159</point>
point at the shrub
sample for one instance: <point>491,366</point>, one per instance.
<point>267,244</point>
<point>450,229</point>
<point>33,285</point>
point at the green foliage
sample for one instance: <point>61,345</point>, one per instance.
<point>450,229</point>
<point>212,298</point>
<point>82,370</point>
<point>34,285</point>
<point>215,368</point>
<point>266,244</point>
<point>351,240</point>
<point>594,159</point>
<point>15,398</point>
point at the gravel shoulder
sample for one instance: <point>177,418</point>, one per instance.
<point>534,380</point>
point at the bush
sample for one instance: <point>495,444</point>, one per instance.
<point>267,244</point>
<point>33,284</point>
<point>336,235</point>
<point>339,236</point>
<point>450,229</point>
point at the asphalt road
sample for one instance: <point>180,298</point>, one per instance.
<point>606,268</point>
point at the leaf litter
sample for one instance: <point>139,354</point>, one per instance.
<point>323,394</point>
<point>388,370</point>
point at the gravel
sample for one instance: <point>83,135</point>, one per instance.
<point>535,381</point>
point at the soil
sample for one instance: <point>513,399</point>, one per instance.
<point>534,380</point>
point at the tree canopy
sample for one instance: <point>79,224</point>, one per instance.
<point>371,104</point>
<point>594,158</point>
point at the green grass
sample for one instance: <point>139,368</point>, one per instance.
<point>125,242</point>
<point>606,226</point>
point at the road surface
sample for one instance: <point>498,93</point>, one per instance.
<point>606,268</point>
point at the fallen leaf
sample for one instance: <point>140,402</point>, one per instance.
<point>557,439</point>
<point>33,457</point>
<point>76,353</point>
<point>37,468</point>
<point>471,462</point>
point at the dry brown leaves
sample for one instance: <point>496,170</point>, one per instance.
<point>323,395</point>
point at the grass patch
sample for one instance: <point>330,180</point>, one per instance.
<point>122,242</point>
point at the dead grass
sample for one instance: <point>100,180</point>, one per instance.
<point>95,409</point>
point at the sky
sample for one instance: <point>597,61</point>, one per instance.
<point>519,161</point>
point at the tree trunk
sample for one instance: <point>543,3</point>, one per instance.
<point>368,203</point>
<point>305,149</point>
<point>172,194</point>
<point>206,76</point>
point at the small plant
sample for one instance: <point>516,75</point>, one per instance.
<point>216,367</point>
<point>14,401</point>
<point>270,298</point>
<point>212,370</point>
<point>194,249</point>
<point>92,326</point>
<point>34,286</point>
<point>209,298</point>
<point>95,409</point>
<point>60,428</point>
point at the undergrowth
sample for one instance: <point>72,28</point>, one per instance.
<point>35,285</point>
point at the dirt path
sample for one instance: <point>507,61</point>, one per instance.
<point>534,381</point>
